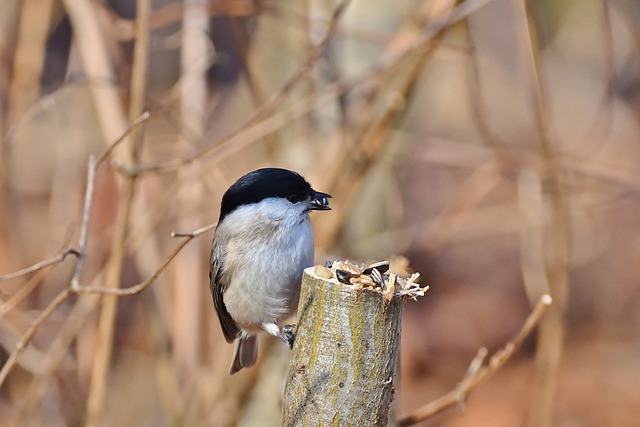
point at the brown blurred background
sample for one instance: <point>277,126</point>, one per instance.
<point>493,143</point>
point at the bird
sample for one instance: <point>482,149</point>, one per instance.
<point>261,245</point>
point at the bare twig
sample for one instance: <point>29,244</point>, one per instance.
<point>196,232</point>
<point>476,375</point>
<point>476,364</point>
<point>82,244</point>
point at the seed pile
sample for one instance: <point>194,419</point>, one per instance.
<point>375,277</point>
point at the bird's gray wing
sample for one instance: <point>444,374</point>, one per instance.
<point>230,328</point>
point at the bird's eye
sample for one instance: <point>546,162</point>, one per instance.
<point>294,198</point>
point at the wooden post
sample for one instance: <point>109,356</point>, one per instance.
<point>343,363</point>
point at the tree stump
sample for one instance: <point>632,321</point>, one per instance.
<point>344,360</point>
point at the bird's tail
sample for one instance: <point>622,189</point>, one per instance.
<point>245,353</point>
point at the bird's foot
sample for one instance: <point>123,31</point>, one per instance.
<point>289,334</point>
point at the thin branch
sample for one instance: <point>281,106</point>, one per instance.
<point>136,289</point>
<point>30,332</point>
<point>22,293</point>
<point>476,375</point>
<point>196,232</point>
<point>133,126</point>
<point>476,364</point>
<point>82,243</point>
<point>42,264</point>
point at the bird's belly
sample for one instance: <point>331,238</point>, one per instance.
<point>267,291</point>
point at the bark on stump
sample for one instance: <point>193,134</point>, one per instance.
<point>344,360</point>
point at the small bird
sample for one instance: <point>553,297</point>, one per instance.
<point>261,246</point>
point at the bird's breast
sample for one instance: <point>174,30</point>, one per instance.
<point>265,283</point>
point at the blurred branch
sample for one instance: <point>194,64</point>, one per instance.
<point>129,157</point>
<point>477,97</point>
<point>445,151</point>
<point>316,53</point>
<point>602,123</point>
<point>94,56</point>
<point>253,122</point>
<point>556,239</point>
<point>242,40</point>
<point>123,30</point>
<point>143,117</point>
<point>478,372</point>
<point>29,56</point>
<point>531,227</point>
<point>460,209</point>
<point>186,309</point>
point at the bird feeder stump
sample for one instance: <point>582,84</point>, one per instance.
<point>344,359</point>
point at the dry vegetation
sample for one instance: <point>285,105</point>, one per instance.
<point>492,142</point>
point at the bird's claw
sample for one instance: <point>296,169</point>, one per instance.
<point>289,334</point>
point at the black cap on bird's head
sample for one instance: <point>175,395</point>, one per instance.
<point>267,183</point>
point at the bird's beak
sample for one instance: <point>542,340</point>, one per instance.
<point>320,201</point>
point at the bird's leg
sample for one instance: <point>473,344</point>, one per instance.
<point>289,332</point>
